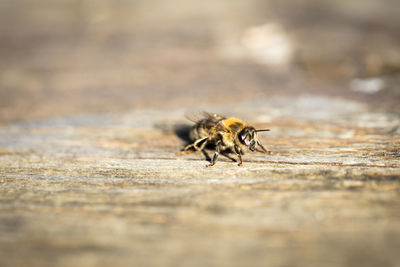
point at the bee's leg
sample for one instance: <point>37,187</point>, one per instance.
<point>187,148</point>
<point>201,148</point>
<point>263,148</point>
<point>215,157</point>
<point>238,153</point>
<point>206,155</point>
<point>194,145</point>
<point>198,141</point>
<point>226,154</point>
<point>203,145</point>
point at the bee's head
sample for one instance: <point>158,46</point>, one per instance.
<point>248,136</point>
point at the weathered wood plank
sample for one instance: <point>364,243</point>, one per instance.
<point>92,102</point>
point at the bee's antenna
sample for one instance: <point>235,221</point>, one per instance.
<point>263,130</point>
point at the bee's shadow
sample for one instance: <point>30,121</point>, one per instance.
<point>180,130</point>
<point>183,132</point>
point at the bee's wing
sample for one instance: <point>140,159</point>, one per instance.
<point>212,117</point>
<point>213,120</point>
<point>193,117</point>
<point>220,127</point>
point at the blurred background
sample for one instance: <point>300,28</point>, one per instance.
<point>71,57</point>
<point>91,172</point>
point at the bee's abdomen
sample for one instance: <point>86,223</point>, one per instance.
<point>197,132</point>
<point>201,129</point>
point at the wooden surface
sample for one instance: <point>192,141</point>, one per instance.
<point>92,126</point>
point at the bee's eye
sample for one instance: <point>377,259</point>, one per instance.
<point>242,136</point>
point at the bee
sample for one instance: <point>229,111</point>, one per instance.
<point>226,134</point>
